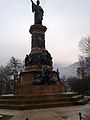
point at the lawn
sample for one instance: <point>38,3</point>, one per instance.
<point>6,117</point>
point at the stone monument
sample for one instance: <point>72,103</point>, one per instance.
<point>39,77</point>
<point>40,85</point>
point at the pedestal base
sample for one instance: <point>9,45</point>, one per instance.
<point>35,82</point>
<point>29,90</point>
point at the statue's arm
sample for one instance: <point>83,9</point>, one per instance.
<point>33,6</point>
<point>31,1</point>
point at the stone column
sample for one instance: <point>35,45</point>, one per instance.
<point>39,57</point>
<point>38,36</point>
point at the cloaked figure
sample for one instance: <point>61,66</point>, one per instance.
<point>38,12</point>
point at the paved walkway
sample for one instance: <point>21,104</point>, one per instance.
<point>59,113</point>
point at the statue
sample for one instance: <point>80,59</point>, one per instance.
<point>38,12</point>
<point>26,60</point>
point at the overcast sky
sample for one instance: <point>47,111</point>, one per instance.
<point>67,22</point>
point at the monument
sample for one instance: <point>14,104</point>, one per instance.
<point>39,77</point>
<point>40,85</point>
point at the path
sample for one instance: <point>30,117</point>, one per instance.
<point>59,113</point>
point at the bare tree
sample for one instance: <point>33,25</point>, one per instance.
<point>85,51</point>
<point>9,75</point>
<point>4,80</point>
<point>81,61</point>
<point>85,46</point>
<point>15,66</point>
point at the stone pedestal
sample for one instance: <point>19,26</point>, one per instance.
<point>30,90</point>
<point>39,77</point>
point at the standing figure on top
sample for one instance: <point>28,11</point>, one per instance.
<point>38,12</point>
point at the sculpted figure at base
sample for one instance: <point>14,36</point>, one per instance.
<point>44,78</point>
<point>38,12</point>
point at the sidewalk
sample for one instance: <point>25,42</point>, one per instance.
<point>59,113</point>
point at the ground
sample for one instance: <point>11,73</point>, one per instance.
<point>58,113</point>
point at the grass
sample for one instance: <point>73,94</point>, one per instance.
<point>6,117</point>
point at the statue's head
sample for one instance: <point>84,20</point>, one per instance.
<point>38,2</point>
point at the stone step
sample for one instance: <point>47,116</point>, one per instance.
<point>42,104</point>
<point>81,102</point>
<point>59,97</point>
<point>37,98</point>
<point>34,96</point>
<point>33,101</point>
<point>41,101</point>
<point>35,106</point>
<point>77,97</point>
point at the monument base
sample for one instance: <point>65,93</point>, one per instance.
<point>37,101</point>
<point>29,90</point>
<point>35,81</point>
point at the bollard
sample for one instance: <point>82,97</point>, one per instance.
<point>81,118</point>
<point>27,119</point>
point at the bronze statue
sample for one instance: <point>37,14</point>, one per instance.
<point>38,12</point>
